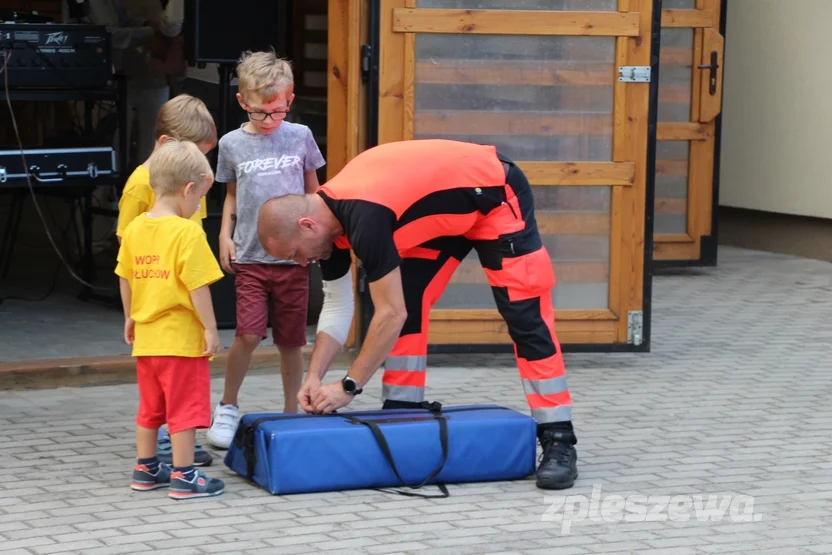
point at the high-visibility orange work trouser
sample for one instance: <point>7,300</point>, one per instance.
<point>519,271</point>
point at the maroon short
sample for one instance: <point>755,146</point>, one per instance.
<point>277,290</point>
<point>173,390</point>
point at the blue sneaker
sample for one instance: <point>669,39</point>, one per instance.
<point>198,486</point>
<point>144,480</point>
<point>164,451</point>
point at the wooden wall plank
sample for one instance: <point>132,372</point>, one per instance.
<point>671,205</point>
<point>579,173</point>
<point>494,332</point>
<point>688,18</point>
<point>465,122</point>
<point>674,238</point>
<point>515,72</point>
<point>515,22</point>
<point>572,223</point>
<point>671,131</point>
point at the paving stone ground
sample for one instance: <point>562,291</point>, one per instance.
<point>733,400</point>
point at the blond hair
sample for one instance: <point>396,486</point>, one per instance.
<point>176,163</point>
<point>186,118</point>
<point>263,74</point>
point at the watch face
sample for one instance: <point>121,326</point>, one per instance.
<point>349,385</point>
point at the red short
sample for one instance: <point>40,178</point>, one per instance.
<point>279,291</point>
<point>174,390</point>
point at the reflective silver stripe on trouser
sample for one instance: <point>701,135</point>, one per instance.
<point>402,393</point>
<point>550,386</point>
<point>552,414</point>
<point>416,363</point>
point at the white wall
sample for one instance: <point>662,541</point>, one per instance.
<point>777,108</point>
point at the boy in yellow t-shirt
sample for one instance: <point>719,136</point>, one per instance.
<point>186,118</point>
<point>165,267</point>
<point>183,117</point>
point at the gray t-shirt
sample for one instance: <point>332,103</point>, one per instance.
<point>264,166</point>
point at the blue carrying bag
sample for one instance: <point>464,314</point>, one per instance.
<point>393,448</point>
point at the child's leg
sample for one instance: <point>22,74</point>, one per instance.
<point>252,320</point>
<point>148,473</point>
<point>187,383</point>
<point>239,361</point>
<point>146,442</point>
<point>291,370</point>
<point>289,306</point>
<point>183,448</point>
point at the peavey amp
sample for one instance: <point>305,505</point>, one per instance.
<point>56,167</point>
<point>56,56</point>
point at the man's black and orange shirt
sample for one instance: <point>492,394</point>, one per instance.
<point>394,197</point>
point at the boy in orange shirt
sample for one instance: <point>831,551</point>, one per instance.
<point>186,118</point>
<point>166,266</point>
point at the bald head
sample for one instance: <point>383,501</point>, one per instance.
<point>279,219</point>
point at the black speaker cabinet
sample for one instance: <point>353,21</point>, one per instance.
<point>219,31</point>
<point>223,292</point>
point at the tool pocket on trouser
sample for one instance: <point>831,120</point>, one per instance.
<point>527,276</point>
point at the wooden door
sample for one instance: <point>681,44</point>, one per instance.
<point>538,79</point>
<point>690,99</point>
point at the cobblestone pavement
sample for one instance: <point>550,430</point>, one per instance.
<point>733,400</point>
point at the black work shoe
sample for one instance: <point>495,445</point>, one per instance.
<point>558,468</point>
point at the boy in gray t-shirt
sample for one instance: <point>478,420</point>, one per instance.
<point>264,158</point>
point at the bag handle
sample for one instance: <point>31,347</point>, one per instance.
<point>435,408</point>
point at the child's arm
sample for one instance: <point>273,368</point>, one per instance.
<point>228,252</point>
<point>310,181</point>
<point>201,298</point>
<point>126,302</point>
<point>313,161</point>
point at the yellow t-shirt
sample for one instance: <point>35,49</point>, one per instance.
<point>137,198</point>
<point>164,259</point>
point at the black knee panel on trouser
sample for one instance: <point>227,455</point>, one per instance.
<point>393,404</point>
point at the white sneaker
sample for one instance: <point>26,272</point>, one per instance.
<point>224,426</point>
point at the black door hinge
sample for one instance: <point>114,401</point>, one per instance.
<point>366,61</point>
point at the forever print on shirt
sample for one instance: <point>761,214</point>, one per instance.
<point>264,166</point>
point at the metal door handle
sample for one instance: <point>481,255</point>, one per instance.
<point>713,66</point>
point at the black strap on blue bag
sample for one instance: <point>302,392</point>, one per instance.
<point>436,410</point>
<point>244,440</point>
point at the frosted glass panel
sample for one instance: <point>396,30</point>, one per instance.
<point>678,4</point>
<point>574,224</point>
<point>534,97</point>
<point>671,205</point>
<point>676,75</point>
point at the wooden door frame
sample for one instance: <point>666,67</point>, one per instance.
<point>627,53</point>
<point>346,118</point>
<point>708,242</point>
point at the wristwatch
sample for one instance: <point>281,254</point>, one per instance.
<point>350,386</point>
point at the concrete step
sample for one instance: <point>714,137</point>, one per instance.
<point>112,370</point>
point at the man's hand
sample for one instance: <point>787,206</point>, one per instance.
<point>129,330</point>
<point>308,392</point>
<point>228,254</point>
<point>331,397</point>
